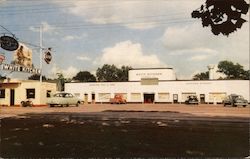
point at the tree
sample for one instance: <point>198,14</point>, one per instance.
<point>224,16</point>
<point>201,76</point>
<point>123,73</point>
<point>232,71</point>
<point>107,73</point>
<point>36,77</point>
<point>84,76</point>
<point>112,74</point>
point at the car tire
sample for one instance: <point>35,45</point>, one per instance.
<point>244,106</point>
<point>51,105</point>
<point>77,104</point>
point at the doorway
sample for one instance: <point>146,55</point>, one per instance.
<point>175,98</point>
<point>86,98</point>
<point>93,98</point>
<point>12,97</point>
<point>202,98</point>
<point>149,97</point>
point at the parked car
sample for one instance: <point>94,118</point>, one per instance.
<point>192,99</point>
<point>63,99</point>
<point>118,99</point>
<point>235,100</point>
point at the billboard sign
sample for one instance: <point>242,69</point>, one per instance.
<point>2,58</point>
<point>23,56</point>
<point>9,43</point>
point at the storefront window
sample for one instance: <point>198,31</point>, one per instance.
<point>30,93</point>
<point>48,93</point>
<point>2,93</point>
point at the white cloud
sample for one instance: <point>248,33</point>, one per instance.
<point>83,58</point>
<point>128,54</point>
<point>74,37</point>
<point>133,14</point>
<point>198,58</point>
<point>45,28</point>
<point>198,42</point>
<point>67,73</point>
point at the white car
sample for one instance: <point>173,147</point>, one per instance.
<point>63,99</point>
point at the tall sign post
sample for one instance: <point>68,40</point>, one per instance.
<point>41,51</point>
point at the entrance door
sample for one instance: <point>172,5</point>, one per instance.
<point>93,97</point>
<point>85,98</point>
<point>202,98</point>
<point>149,98</point>
<point>175,98</point>
<point>12,97</point>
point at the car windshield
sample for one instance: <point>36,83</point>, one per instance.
<point>62,95</point>
<point>240,97</point>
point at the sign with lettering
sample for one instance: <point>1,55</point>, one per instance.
<point>9,43</point>
<point>19,68</point>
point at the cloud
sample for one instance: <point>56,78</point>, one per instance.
<point>83,58</point>
<point>74,37</point>
<point>128,54</point>
<point>67,73</point>
<point>45,26</point>
<point>199,43</point>
<point>132,14</point>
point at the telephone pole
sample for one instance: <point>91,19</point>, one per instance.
<point>41,51</point>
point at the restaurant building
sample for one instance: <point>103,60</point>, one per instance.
<point>12,92</point>
<point>158,85</point>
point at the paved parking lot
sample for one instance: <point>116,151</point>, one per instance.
<point>207,110</point>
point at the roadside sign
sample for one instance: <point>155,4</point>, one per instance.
<point>2,58</point>
<point>9,43</point>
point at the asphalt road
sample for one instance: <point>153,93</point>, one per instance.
<point>71,133</point>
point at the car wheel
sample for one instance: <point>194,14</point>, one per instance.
<point>77,104</point>
<point>51,105</point>
<point>244,106</point>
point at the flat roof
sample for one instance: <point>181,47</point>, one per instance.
<point>151,68</point>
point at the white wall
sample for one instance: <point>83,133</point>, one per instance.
<point>172,87</point>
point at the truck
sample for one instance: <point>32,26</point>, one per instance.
<point>118,99</point>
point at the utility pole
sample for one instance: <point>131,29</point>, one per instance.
<point>41,52</point>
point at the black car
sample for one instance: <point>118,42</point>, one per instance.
<point>192,99</point>
<point>235,100</point>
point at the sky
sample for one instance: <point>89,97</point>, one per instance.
<point>86,34</point>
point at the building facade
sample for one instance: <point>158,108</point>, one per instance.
<point>12,92</point>
<point>155,89</point>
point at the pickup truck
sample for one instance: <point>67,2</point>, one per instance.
<point>118,99</point>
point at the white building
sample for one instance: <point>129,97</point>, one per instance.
<point>158,86</point>
<point>12,92</point>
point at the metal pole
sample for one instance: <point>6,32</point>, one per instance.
<point>41,51</point>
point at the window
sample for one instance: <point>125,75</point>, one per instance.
<point>136,96</point>
<point>104,96</point>
<point>77,94</point>
<point>48,93</point>
<point>30,93</point>
<point>163,96</point>
<point>2,93</point>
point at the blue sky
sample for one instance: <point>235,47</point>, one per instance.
<point>84,35</point>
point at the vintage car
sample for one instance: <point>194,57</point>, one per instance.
<point>118,99</point>
<point>63,99</point>
<point>192,99</point>
<point>235,100</point>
